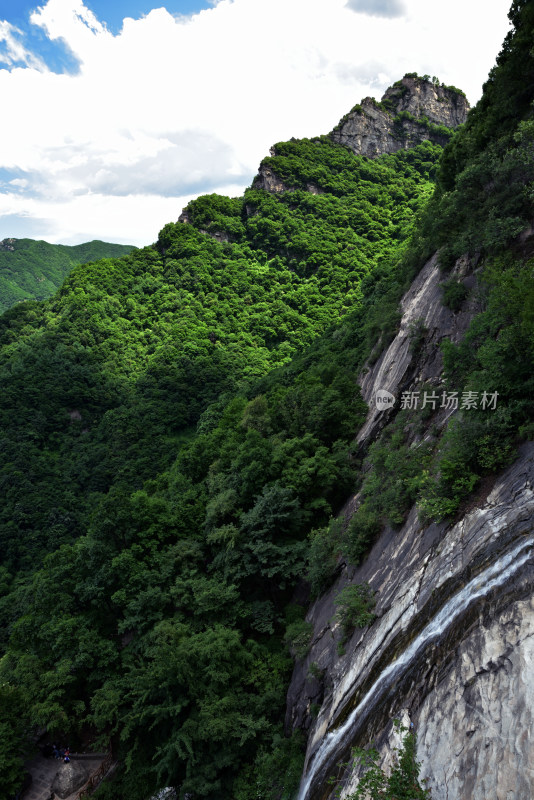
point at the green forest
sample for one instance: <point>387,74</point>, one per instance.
<point>177,439</point>
<point>34,270</point>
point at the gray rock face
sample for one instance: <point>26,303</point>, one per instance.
<point>69,778</point>
<point>397,369</point>
<point>452,648</point>
<point>269,181</point>
<point>373,129</point>
<point>422,98</point>
<point>469,688</point>
<point>474,731</point>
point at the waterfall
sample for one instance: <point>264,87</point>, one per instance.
<point>495,575</point>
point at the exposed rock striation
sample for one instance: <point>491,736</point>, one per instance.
<point>411,111</point>
<point>452,648</point>
<point>443,105</point>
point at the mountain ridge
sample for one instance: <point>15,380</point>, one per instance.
<point>182,475</point>
<point>413,110</point>
<point>33,269</point>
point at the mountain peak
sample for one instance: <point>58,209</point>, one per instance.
<point>412,110</point>
<point>442,105</point>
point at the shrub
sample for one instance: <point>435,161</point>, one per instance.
<point>403,780</point>
<point>355,607</point>
<point>322,556</point>
<point>298,638</point>
<point>416,333</point>
<point>315,671</point>
<point>454,294</point>
<point>276,772</point>
<point>361,532</point>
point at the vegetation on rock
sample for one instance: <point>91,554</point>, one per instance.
<point>400,783</point>
<point>177,440</point>
<point>176,422</point>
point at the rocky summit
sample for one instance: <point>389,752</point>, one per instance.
<point>267,485</point>
<point>411,111</point>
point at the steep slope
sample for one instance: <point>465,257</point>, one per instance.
<point>411,111</point>
<point>134,349</point>
<point>442,525</point>
<point>175,422</point>
<point>198,441</point>
<point>34,270</point>
<point>450,649</point>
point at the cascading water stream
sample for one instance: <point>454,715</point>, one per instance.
<point>495,575</point>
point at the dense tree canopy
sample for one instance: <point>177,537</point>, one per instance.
<point>170,442</point>
<point>177,437</point>
<point>34,270</point>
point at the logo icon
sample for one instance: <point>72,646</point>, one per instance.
<point>384,399</point>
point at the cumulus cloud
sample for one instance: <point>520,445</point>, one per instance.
<point>378,8</point>
<point>374,74</point>
<point>173,106</point>
<point>179,167</point>
<point>12,51</point>
<point>73,23</point>
<point>133,219</point>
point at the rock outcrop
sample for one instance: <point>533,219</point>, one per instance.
<point>69,778</point>
<point>452,647</point>
<point>411,111</point>
<point>268,180</point>
<point>219,236</point>
<point>442,105</point>
<point>8,244</point>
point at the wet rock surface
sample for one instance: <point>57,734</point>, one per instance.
<point>474,730</point>
<point>484,655</point>
<point>467,687</point>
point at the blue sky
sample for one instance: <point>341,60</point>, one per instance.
<point>118,113</point>
<point>112,12</point>
<point>56,55</point>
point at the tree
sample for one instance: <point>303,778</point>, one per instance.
<point>403,781</point>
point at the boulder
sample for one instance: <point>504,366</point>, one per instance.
<point>69,778</point>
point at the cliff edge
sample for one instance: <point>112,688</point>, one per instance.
<point>411,111</point>
<point>450,649</point>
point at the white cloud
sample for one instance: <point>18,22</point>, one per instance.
<point>21,183</point>
<point>135,219</point>
<point>13,52</point>
<point>73,23</point>
<point>173,106</point>
<point>378,8</point>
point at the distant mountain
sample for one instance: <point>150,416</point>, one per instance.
<point>193,443</point>
<point>34,270</point>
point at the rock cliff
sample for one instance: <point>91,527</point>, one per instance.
<point>451,649</point>
<point>411,111</point>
